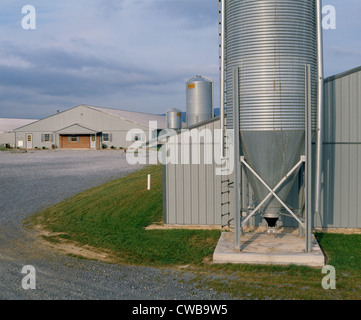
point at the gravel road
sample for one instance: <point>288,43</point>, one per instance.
<point>28,182</point>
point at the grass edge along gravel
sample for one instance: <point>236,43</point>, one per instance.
<point>113,217</point>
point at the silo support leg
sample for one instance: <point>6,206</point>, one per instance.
<point>237,164</point>
<point>308,152</point>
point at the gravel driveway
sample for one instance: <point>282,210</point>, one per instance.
<point>28,182</point>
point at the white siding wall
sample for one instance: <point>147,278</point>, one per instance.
<point>7,138</point>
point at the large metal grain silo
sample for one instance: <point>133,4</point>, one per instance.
<point>199,99</point>
<point>270,42</point>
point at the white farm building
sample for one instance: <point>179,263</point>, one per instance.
<point>88,127</point>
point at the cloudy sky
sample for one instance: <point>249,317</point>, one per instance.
<point>126,54</point>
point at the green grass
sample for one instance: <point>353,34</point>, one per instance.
<point>114,216</point>
<point>343,251</point>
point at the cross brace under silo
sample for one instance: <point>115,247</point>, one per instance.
<point>305,159</point>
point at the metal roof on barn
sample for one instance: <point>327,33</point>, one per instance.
<point>9,124</point>
<point>136,117</point>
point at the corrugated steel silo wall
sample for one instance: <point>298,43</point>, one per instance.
<point>270,41</point>
<point>341,188</point>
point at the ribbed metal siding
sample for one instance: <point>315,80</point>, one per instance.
<point>342,109</point>
<point>192,192</point>
<point>341,189</point>
<point>271,41</point>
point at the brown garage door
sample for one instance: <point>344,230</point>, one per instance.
<point>75,141</point>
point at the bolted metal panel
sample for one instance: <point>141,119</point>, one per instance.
<point>199,100</point>
<point>174,119</point>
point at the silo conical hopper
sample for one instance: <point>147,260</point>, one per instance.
<point>270,42</point>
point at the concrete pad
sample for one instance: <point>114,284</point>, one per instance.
<point>259,248</point>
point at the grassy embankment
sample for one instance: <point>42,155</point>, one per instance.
<point>114,216</point>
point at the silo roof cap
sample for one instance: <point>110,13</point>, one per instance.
<point>199,78</point>
<point>174,109</point>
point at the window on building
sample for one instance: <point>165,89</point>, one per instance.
<point>73,138</point>
<point>106,137</point>
<point>47,137</point>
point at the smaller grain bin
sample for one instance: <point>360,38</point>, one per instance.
<point>174,119</point>
<point>199,100</point>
